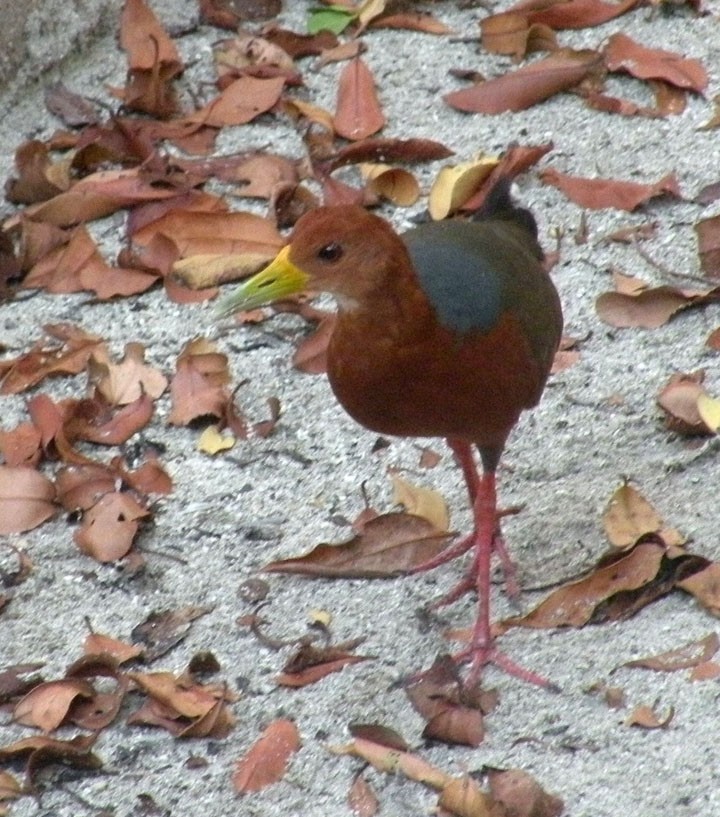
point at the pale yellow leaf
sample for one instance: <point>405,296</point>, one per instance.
<point>421,501</point>
<point>212,441</point>
<point>456,183</point>
<point>211,269</point>
<point>709,410</point>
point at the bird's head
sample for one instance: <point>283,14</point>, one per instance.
<point>341,250</point>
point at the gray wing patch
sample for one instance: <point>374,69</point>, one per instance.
<point>456,275</point>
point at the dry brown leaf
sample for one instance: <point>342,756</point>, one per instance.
<point>163,630</point>
<point>521,795</point>
<point>708,237</point>
<point>704,585</point>
<point>586,600</point>
<point>68,353</point>
<point>153,61</point>
<point>685,657</point>
<point>200,385</point>
<point>125,382</point>
<point>513,34</point>
<point>100,644</point>
<point>266,761</point>
<point>463,797</point>
<point>679,400</point>
<point>622,53</point>
<point>358,113</point>
<point>27,499</point>
<point>424,502</point>
<point>708,671</point>
<point>47,705</point>
<point>240,102</point>
<point>455,184</point>
<point>528,85</point>
<point>390,544</point>
<point>393,760</point>
<point>597,194</point>
<point>412,21</point>
<point>109,527</point>
<point>572,14</point>
<point>646,717</point>
<point>391,183</point>
<point>310,664</point>
<point>628,516</point>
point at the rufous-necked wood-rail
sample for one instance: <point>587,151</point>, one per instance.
<point>449,330</point>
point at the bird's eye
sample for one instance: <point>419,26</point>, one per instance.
<point>330,252</point>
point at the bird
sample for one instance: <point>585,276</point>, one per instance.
<point>446,330</point>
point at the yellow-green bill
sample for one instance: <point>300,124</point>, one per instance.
<point>278,280</point>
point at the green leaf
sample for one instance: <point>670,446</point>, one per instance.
<point>333,19</point>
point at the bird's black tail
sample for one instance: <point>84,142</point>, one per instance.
<point>499,204</point>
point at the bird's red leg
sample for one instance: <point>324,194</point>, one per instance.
<point>464,456</point>
<point>482,649</point>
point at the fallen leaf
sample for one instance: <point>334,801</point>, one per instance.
<point>358,113</point>
<point>108,528</point>
<point>512,33</point>
<point>419,501</point>
<point>392,184</point>
<point>679,400</point>
<point>685,657</point>
<point>521,795</point>
<point>100,644</point>
<point>10,789</point>
<point>310,664</point>
<point>362,799</point>
<point>199,387</point>
<point>43,751</point>
<point>647,718</point>
<point>393,760</point>
<point>707,671</point>
<point>708,237</point>
<point>704,585</point>
<point>212,441</point>
<point>628,516</point>
<point>27,499</point>
<point>588,600</point>
<point>528,85</point>
<point>47,705</point>
<point>125,382</point>
<point>163,630</point>
<point>389,545</point>
<point>622,53</point>
<point>574,14</point>
<point>597,194</point>
<point>153,61</point>
<point>455,184</point>
<point>266,761</point>
<point>463,797</point>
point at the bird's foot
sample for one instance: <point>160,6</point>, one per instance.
<point>447,555</point>
<point>480,655</point>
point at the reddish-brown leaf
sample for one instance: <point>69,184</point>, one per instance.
<point>596,194</point>
<point>68,354</point>
<point>648,308</point>
<point>528,85</point>
<point>512,33</point>
<point>521,795</point>
<point>242,101</point>
<point>362,799</point>
<point>622,53</point>
<point>708,237</point>
<point>358,113</point>
<point>685,657</point>
<point>26,499</point>
<point>572,14</point>
<point>579,602</point>
<point>109,527</point>
<point>47,705</point>
<point>646,717</point>
<point>311,354</point>
<point>679,400</point>
<point>388,545</point>
<point>310,663</point>
<point>153,61</point>
<point>267,759</point>
<point>412,21</point>
<point>20,445</point>
<point>199,387</point>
